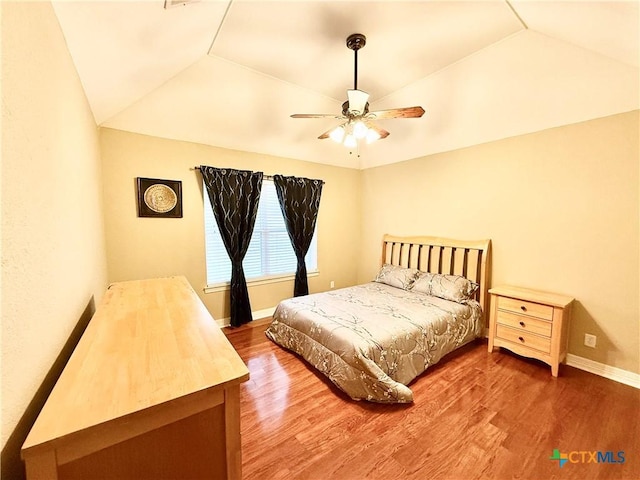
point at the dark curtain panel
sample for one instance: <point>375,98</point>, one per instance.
<point>299,201</point>
<point>234,196</point>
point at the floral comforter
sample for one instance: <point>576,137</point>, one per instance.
<point>372,340</point>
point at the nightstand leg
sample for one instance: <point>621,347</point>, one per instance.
<point>492,322</point>
<point>554,369</point>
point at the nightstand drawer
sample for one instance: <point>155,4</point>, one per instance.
<point>531,340</point>
<point>524,323</point>
<point>527,308</point>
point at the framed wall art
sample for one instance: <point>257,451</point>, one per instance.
<point>159,198</point>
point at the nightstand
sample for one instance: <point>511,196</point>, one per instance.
<point>530,323</point>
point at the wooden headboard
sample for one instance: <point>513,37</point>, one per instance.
<point>470,259</point>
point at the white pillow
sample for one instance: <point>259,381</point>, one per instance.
<point>450,287</point>
<point>396,276</point>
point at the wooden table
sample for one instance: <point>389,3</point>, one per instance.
<point>151,391</point>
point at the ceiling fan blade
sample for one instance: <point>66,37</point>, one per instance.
<point>315,115</point>
<point>328,133</point>
<point>407,112</point>
<point>357,101</point>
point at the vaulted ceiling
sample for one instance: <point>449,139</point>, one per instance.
<point>230,73</point>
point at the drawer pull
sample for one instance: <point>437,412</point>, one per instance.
<point>522,324</point>
<point>523,308</point>
<point>521,339</point>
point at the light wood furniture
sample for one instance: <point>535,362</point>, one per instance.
<point>469,259</point>
<point>152,391</point>
<point>530,323</point>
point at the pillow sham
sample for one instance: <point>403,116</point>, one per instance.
<point>449,287</point>
<point>396,276</point>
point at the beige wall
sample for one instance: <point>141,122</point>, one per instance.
<point>152,247</point>
<point>53,252</point>
<point>561,207</point>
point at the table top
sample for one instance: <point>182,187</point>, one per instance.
<point>150,342</point>
<point>532,295</point>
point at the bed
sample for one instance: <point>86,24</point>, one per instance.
<point>428,299</point>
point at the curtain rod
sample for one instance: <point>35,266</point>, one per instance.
<point>265,176</point>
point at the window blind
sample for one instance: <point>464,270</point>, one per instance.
<point>270,253</point>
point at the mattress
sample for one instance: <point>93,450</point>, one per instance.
<point>372,340</point>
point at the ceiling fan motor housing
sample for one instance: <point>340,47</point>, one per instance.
<point>346,112</point>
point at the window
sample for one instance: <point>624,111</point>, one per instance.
<point>270,254</point>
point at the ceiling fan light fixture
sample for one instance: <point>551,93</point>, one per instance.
<point>337,134</point>
<point>372,136</point>
<point>360,130</point>
<point>350,141</point>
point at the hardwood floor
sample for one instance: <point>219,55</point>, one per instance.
<point>475,415</point>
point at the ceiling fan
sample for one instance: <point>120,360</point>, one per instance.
<point>358,122</point>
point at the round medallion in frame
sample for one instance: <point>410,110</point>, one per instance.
<point>159,198</point>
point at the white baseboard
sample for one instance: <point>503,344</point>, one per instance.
<point>258,314</point>
<point>606,371</point>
